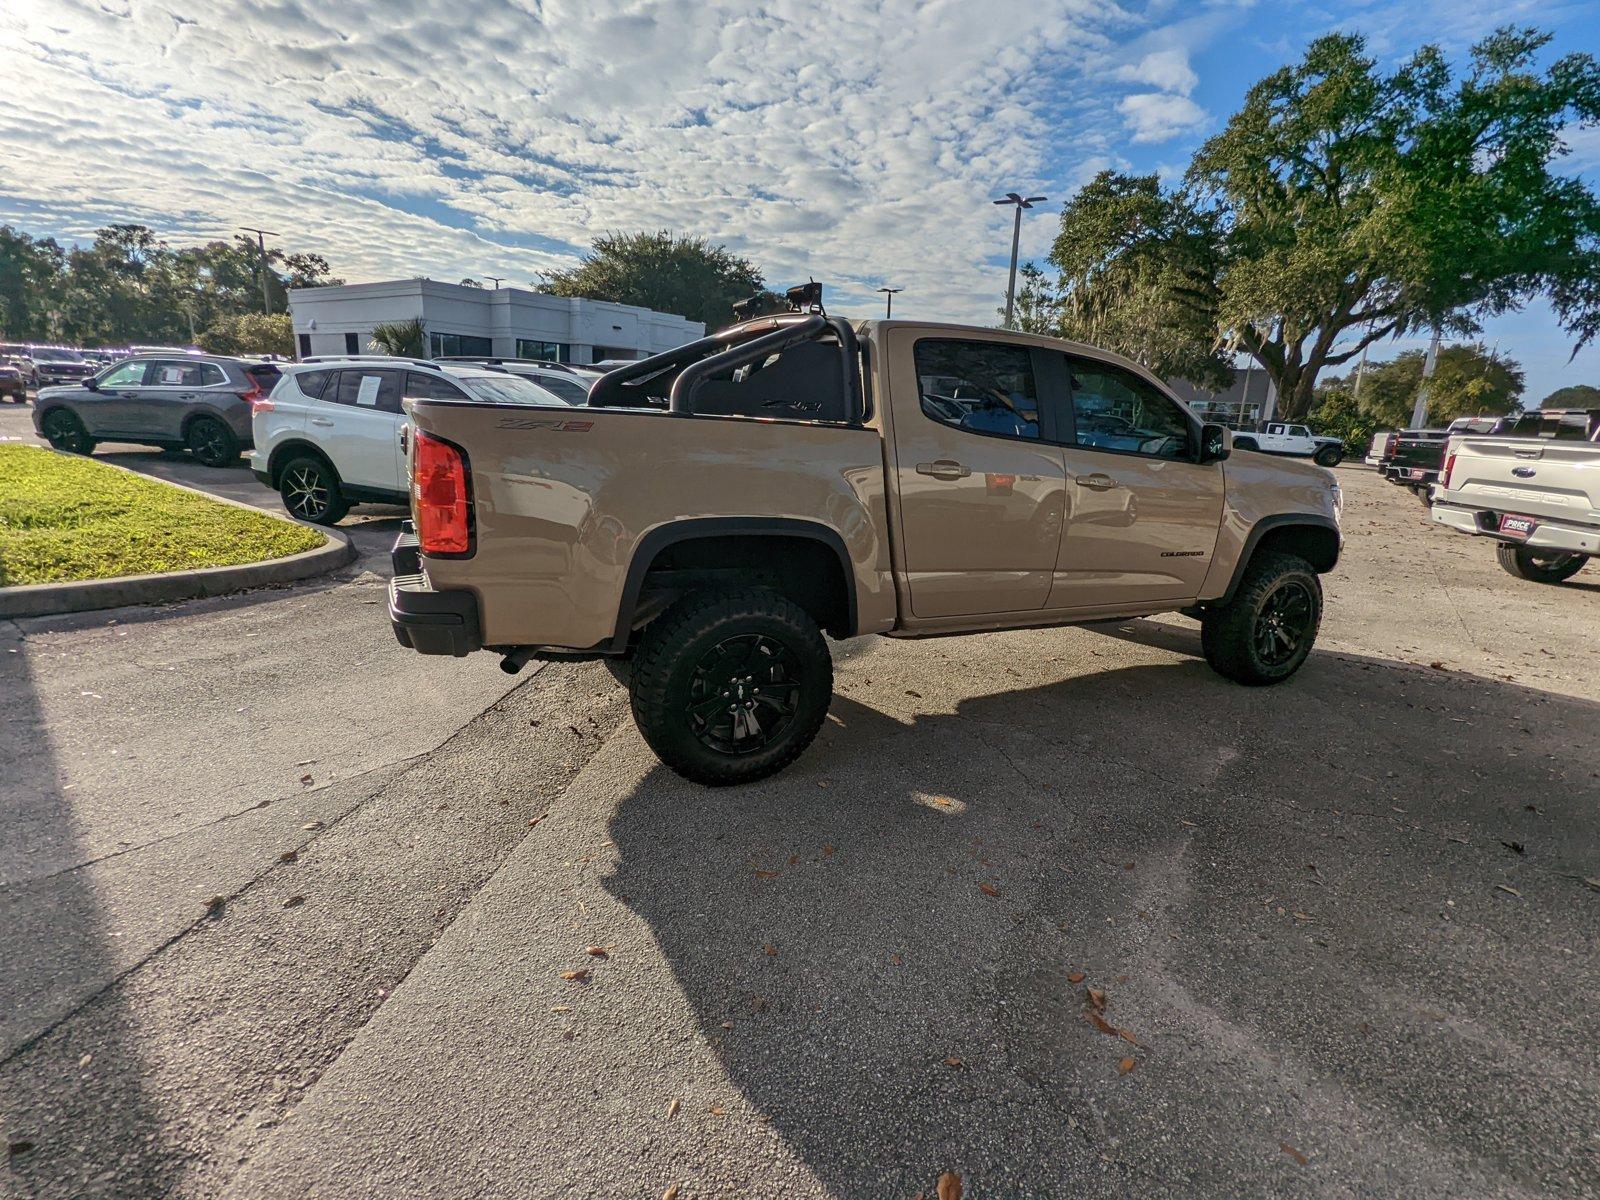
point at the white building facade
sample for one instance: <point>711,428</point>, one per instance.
<point>500,323</point>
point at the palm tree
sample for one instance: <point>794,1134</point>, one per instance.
<point>407,339</point>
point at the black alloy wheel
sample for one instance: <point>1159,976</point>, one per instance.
<point>1284,622</point>
<point>743,694</point>
<point>310,491</point>
<point>212,442</point>
<point>64,431</point>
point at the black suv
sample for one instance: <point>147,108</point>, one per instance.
<point>198,401</point>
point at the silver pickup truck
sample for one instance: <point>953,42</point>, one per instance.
<point>1537,496</point>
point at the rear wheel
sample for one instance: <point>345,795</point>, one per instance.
<point>63,430</point>
<point>729,687</point>
<point>1539,566</point>
<point>1265,632</point>
<point>310,491</point>
<point>1328,456</point>
<point>212,442</point>
<point>1246,443</point>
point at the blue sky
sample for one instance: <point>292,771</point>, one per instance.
<point>860,143</point>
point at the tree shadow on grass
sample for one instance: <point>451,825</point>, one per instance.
<point>1294,899</point>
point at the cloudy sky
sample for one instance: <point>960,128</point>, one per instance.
<point>857,142</point>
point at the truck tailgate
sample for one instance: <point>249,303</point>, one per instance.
<point>1554,480</point>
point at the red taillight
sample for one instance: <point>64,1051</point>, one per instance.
<point>1444,472</point>
<point>1388,443</point>
<point>256,399</point>
<point>441,501</point>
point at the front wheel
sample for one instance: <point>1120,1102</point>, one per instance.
<point>212,442</point>
<point>1266,631</point>
<point>64,431</point>
<point>730,687</point>
<point>1539,566</point>
<point>310,491</point>
<point>1328,456</point>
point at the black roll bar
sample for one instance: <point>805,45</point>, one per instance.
<point>784,335</point>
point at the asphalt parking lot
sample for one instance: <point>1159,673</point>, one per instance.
<point>286,910</point>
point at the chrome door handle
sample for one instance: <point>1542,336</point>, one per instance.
<point>944,468</point>
<point>1097,482</point>
<point>321,421</point>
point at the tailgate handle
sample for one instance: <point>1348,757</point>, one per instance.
<point>1528,453</point>
<point>944,468</point>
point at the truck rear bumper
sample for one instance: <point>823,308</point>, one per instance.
<point>1546,535</point>
<point>425,620</point>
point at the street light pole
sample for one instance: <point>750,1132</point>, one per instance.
<point>1016,237</point>
<point>261,244</point>
<point>497,280</point>
<point>889,294</point>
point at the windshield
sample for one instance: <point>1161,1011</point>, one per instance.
<point>57,356</point>
<point>508,389</point>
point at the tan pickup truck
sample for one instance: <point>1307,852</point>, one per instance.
<point>713,510</point>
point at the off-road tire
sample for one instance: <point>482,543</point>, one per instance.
<point>1524,562</point>
<point>1246,443</point>
<point>299,492</point>
<point>64,430</point>
<point>1231,633</point>
<point>211,442</point>
<point>1328,456</point>
<point>673,654</point>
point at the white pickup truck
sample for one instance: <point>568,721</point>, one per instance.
<point>1538,497</point>
<point>1277,437</point>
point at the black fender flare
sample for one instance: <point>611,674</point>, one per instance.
<point>1265,526</point>
<point>658,539</point>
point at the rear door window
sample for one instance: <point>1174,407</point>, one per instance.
<point>376,390</point>
<point>313,383</point>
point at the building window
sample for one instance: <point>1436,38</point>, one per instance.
<point>455,345</point>
<point>305,345</point>
<point>546,351</point>
<point>352,343</point>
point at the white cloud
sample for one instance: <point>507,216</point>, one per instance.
<point>1168,70</point>
<point>1158,116</point>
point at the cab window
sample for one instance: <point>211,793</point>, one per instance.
<point>1113,409</point>
<point>982,387</point>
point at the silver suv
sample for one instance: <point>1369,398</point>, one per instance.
<point>196,401</point>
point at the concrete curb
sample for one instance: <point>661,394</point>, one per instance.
<point>47,599</point>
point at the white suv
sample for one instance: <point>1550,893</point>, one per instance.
<point>332,433</point>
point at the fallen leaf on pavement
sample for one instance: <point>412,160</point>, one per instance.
<point>596,951</point>
<point>1100,1023</point>
<point>1506,887</point>
<point>772,951</point>
<point>895,959</point>
<point>671,1193</point>
<point>988,889</point>
<point>1300,916</point>
<point>294,901</point>
<point>952,1061</point>
<point>793,859</point>
<point>1075,977</point>
<point>949,1186</point>
<point>560,1008</point>
<point>578,976</point>
<point>1129,1038</point>
<point>1515,847</point>
<point>288,856</point>
<point>214,905</point>
<point>1294,1154</point>
<point>1097,999</point>
<point>766,874</point>
<point>716,1112</point>
<point>727,1024</point>
<point>305,781</point>
<point>827,850</point>
<point>1125,1066</point>
<point>532,821</point>
<point>674,1107</point>
<point>311,826</point>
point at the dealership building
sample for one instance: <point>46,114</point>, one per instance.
<point>500,323</point>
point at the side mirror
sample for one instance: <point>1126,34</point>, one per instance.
<point>92,384</point>
<point>1216,442</point>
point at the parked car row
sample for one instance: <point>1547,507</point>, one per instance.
<point>42,366</point>
<point>1533,488</point>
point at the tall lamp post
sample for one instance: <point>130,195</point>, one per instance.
<point>498,280</point>
<point>889,294</point>
<point>1016,236</point>
<point>261,244</point>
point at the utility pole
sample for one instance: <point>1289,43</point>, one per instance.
<point>888,301</point>
<point>1016,236</point>
<point>1361,369</point>
<point>497,280</point>
<point>261,244</point>
<point>1419,414</point>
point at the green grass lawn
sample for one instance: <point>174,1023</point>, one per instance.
<point>66,518</point>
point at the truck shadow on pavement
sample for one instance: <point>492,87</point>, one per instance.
<point>1338,934</point>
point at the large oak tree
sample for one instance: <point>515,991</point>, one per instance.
<point>1342,205</point>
